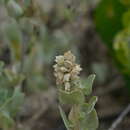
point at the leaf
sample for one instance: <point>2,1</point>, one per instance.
<point>14,8</point>
<point>5,120</point>
<point>68,125</point>
<point>13,32</point>
<point>14,36</point>
<point>10,107</point>
<point>17,101</point>
<point>91,121</point>
<point>73,97</point>
<point>87,108</point>
<point>13,104</point>
<point>9,74</point>
<point>87,86</point>
<point>3,95</point>
<point>13,78</point>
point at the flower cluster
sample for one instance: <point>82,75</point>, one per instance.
<point>66,70</point>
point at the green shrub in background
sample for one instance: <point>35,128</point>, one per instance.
<point>112,19</point>
<point>11,97</point>
<point>122,48</point>
<point>108,20</point>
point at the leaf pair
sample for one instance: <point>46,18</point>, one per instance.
<point>86,115</point>
<point>82,115</point>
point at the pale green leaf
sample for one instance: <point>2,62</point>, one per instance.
<point>73,97</point>
<point>14,8</point>
<point>14,35</point>
<point>17,101</point>
<point>91,121</point>
<point>13,104</point>
<point>68,125</point>
<point>87,86</point>
<point>88,107</point>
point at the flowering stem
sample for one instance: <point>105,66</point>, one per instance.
<point>82,115</point>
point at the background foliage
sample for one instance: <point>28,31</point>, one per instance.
<point>113,16</point>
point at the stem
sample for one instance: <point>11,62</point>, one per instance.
<point>75,117</point>
<point>120,118</point>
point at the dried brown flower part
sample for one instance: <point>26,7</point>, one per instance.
<point>69,56</point>
<point>66,70</point>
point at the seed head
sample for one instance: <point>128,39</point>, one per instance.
<point>66,70</point>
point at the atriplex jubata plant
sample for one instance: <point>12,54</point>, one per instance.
<point>82,115</point>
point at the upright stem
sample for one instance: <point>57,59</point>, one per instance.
<point>77,111</point>
<point>74,117</point>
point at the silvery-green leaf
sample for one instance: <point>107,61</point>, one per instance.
<point>13,104</point>
<point>68,125</point>
<point>14,8</point>
<point>87,86</point>
<point>91,121</point>
<point>14,36</point>
<point>17,101</point>
<point>4,95</point>
<point>87,108</point>
<point>13,78</point>
<point>73,97</point>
